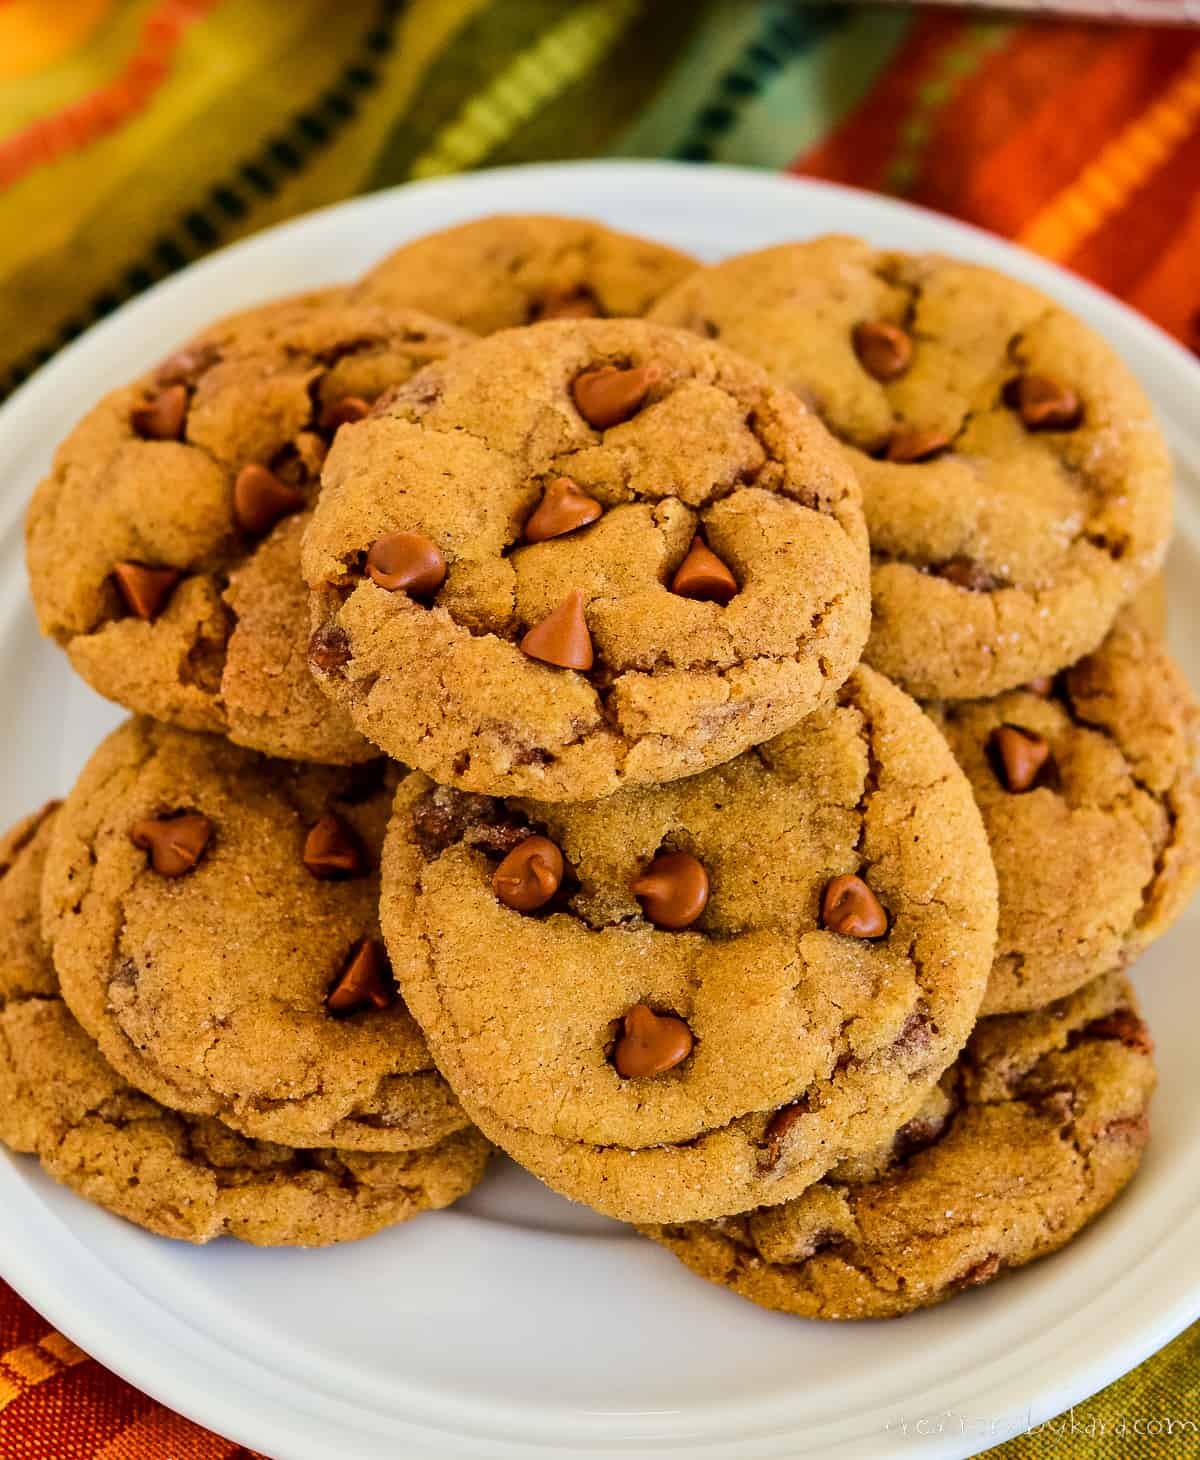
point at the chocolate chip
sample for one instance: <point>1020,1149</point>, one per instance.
<point>260,499</point>
<point>703,576</point>
<point>186,366</point>
<point>1043,404</point>
<point>365,982</point>
<point>343,412</point>
<point>918,1134</point>
<point>407,562</point>
<point>175,842</point>
<point>981,1272</point>
<point>161,417</point>
<point>145,590</point>
<point>779,1127</point>
<point>650,1043</point>
<point>673,890</point>
<point>563,508</point>
<point>884,350</point>
<point>530,875</point>
<point>967,573</point>
<point>1124,1025</point>
<point>1019,757</point>
<point>562,637</point>
<point>610,395</point>
<point>577,303</point>
<point>329,649</point>
<point>1133,1130</point>
<point>907,446</point>
<point>849,907</point>
<point>332,851</point>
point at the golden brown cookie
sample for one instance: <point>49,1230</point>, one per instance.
<point>181,1176</point>
<point>1033,1132</point>
<point>1089,792</point>
<point>493,273</point>
<point>688,1000</point>
<point>1017,488</point>
<point>213,917</point>
<point>581,555</point>
<point>163,548</point>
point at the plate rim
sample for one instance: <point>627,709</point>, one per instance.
<point>238,1411</point>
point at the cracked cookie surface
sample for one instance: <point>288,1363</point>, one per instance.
<point>180,1176</point>
<point>1032,1133</point>
<point>494,273</point>
<point>209,984</point>
<point>465,457</point>
<point>1101,853</point>
<point>765,1046</point>
<point>1013,526</point>
<point>151,482</point>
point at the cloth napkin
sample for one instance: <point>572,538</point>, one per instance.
<point>135,135</point>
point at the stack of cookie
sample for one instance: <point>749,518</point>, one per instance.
<point>706,731</point>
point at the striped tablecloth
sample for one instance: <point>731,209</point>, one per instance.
<point>137,134</point>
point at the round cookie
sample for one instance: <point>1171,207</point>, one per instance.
<point>1090,796</point>
<point>584,554</point>
<point>213,917</point>
<point>1017,488</point>
<point>177,1175</point>
<point>1034,1132</point>
<point>164,546</point>
<point>727,984</point>
<point>511,269</point>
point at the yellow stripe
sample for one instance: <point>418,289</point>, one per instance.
<point>1121,168</point>
<point>31,1363</point>
<point>33,34</point>
<point>526,84</point>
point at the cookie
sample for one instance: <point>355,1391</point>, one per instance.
<point>692,999</point>
<point>213,917</point>
<point>180,1176</point>
<point>493,273</point>
<point>1017,488</point>
<point>163,548</point>
<point>1034,1132</point>
<point>1090,796</point>
<point>584,554</point>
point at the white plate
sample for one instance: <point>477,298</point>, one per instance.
<point>517,1324</point>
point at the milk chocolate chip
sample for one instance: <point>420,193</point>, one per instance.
<point>579,303</point>
<point>849,907</point>
<point>145,590</point>
<point>610,395</point>
<point>343,412</point>
<point>910,446</point>
<point>332,850</point>
<point>884,350</point>
<point>673,890</point>
<point>650,1043</point>
<point>161,417</point>
<point>1043,404</point>
<point>703,576</point>
<point>563,508</point>
<point>1019,756</point>
<point>175,843</point>
<point>530,875</point>
<point>562,637</point>
<point>408,562</point>
<point>260,499</point>
<point>364,983</point>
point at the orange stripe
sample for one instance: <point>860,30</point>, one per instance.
<point>860,149</point>
<point>159,1432</point>
<point>1123,166</point>
<point>109,106</point>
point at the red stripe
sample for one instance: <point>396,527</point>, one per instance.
<point>859,150</point>
<point>109,106</point>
